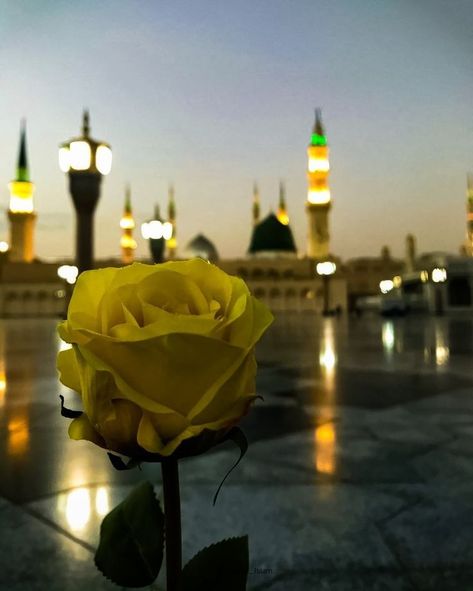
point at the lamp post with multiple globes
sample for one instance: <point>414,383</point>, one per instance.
<point>326,269</point>
<point>86,161</point>
<point>157,232</point>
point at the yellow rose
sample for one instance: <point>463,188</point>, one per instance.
<point>160,354</point>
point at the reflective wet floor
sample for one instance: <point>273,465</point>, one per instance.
<point>359,474</point>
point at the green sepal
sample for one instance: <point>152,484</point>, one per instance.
<point>223,565</point>
<point>130,551</point>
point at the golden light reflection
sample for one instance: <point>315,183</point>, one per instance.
<point>388,336</point>
<point>78,508</point>
<point>442,355</point>
<point>442,351</point>
<point>325,448</point>
<point>102,505</point>
<point>18,436</point>
<point>3,387</point>
<point>327,355</point>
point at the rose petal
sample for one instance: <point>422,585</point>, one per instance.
<point>66,364</point>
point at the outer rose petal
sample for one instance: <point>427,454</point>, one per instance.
<point>177,372</point>
<point>66,364</point>
<point>81,428</point>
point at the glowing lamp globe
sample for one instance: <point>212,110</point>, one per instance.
<point>84,154</point>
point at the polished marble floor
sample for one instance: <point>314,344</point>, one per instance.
<point>359,474</point>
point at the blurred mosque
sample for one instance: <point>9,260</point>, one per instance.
<point>275,270</point>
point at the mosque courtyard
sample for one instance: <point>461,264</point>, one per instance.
<point>359,474</point>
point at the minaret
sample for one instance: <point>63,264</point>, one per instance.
<point>171,243</point>
<point>282,210</point>
<point>411,253</point>
<point>21,212</point>
<point>256,205</point>
<point>318,196</point>
<point>127,224</point>
<point>469,214</point>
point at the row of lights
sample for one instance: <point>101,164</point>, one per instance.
<point>438,275</point>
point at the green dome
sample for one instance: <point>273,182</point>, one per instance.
<point>272,236</point>
<point>202,247</point>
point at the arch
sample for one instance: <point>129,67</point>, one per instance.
<point>273,274</point>
<point>274,293</point>
<point>257,273</point>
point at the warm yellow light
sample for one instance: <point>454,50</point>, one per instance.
<point>127,242</point>
<point>439,275</point>
<point>318,165</point>
<point>4,246</point>
<point>328,359</point>
<point>325,448</point>
<point>80,155</point>
<point>442,354</point>
<point>127,223</point>
<point>326,268</point>
<point>3,387</point>
<point>103,159</point>
<point>21,196</point>
<point>64,159</point>
<point>18,436</point>
<point>78,509</point>
<point>388,336</point>
<point>283,217</point>
<point>424,276</point>
<point>397,281</point>
<point>101,501</point>
<point>20,204</point>
<point>318,197</point>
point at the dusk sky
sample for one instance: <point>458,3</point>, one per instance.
<point>212,95</point>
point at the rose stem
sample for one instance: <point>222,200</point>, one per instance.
<point>172,523</point>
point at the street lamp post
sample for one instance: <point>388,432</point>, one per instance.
<point>86,160</point>
<point>326,270</point>
<point>157,232</point>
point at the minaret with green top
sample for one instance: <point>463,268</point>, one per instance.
<point>21,214</point>
<point>319,201</point>
<point>171,243</point>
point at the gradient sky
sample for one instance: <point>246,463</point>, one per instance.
<point>213,94</point>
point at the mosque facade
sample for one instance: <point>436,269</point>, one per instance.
<point>310,278</point>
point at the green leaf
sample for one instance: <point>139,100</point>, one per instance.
<point>130,551</point>
<point>220,566</point>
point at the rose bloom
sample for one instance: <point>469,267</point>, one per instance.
<point>160,354</point>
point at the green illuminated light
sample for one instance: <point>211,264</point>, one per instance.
<point>318,140</point>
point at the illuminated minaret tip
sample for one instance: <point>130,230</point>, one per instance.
<point>469,215</point>
<point>318,194</point>
<point>21,212</point>
<point>127,224</point>
<point>282,209</point>
<point>171,243</point>
<point>256,204</point>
